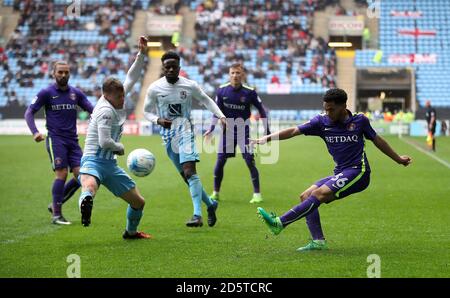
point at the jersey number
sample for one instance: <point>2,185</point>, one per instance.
<point>340,182</point>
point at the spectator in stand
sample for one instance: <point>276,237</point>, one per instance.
<point>37,40</point>
<point>275,79</point>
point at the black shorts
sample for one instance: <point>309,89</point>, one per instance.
<point>433,129</point>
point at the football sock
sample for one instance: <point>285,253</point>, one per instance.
<point>314,226</point>
<point>133,219</point>
<point>218,173</point>
<point>70,188</point>
<point>84,194</point>
<point>299,211</point>
<point>57,194</point>
<point>205,198</point>
<point>253,173</point>
<point>195,187</point>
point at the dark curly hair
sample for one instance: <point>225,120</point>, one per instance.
<point>336,95</point>
<point>170,55</point>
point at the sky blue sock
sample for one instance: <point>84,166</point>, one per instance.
<point>133,219</point>
<point>205,198</point>
<point>195,187</point>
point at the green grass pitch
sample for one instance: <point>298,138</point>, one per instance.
<point>404,217</point>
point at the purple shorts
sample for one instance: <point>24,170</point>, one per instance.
<point>229,140</point>
<point>63,152</point>
<point>347,182</point>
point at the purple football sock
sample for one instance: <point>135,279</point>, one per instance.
<point>314,226</point>
<point>57,193</point>
<point>70,188</point>
<point>299,211</point>
<point>218,173</point>
<point>253,173</point>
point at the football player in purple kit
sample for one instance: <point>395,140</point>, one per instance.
<point>60,101</point>
<point>343,133</point>
<point>235,100</point>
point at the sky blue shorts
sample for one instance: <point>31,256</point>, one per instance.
<point>181,148</point>
<point>107,173</point>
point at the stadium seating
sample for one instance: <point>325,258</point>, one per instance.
<point>432,77</point>
<point>64,37</point>
<point>276,54</point>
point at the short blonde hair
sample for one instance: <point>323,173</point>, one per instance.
<point>112,85</point>
<point>237,65</point>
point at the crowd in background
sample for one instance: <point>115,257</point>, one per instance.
<point>264,28</point>
<point>34,53</point>
<point>388,116</point>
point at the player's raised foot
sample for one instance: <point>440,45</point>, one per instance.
<point>86,210</point>
<point>271,220</point>
<point>50,208</point>
<point>212,213</point>
<point>60,220</point>
<point>256,199</point>
<point>195,221</point>
<point>314,245</point>
<point>137,235</point>
<point>215,196</point>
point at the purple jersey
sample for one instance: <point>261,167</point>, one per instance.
<point>236,102</point>
<point>61,109</point>
<point>345,141</point>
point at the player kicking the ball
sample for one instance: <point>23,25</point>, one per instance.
<point>343,133</point>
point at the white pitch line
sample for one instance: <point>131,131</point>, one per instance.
<point>32,233</point>
<point>427,153</point>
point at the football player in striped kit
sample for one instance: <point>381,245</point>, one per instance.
<point>171,96</point>
<point>99,164</point>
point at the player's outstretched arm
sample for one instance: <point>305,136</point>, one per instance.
<point>135,70</point>
<point>384,147</point>
<point>279,135</point>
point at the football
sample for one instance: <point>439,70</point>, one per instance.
<point>141,162</point>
